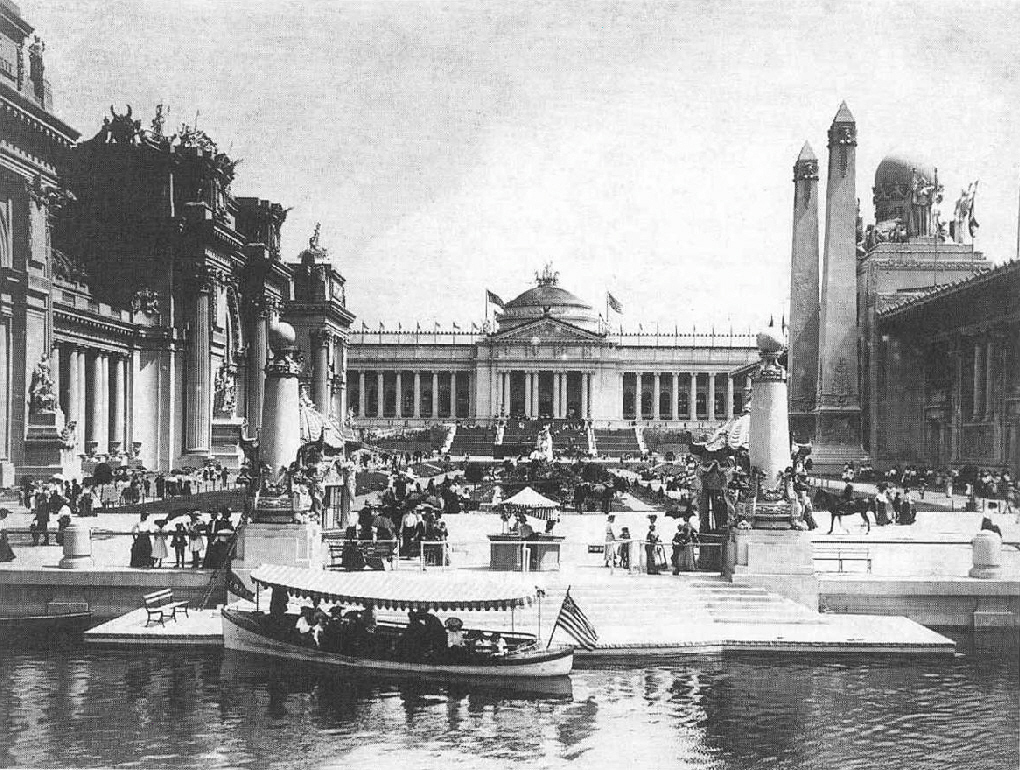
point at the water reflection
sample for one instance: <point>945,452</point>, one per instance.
<point>209,709</point>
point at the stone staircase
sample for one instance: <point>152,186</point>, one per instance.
<point>728,603</point>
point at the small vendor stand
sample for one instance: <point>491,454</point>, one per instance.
<point>537,553</point>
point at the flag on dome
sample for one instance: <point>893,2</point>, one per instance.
<point>614,303</point>
<point>495,299</point>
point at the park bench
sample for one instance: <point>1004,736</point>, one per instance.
<point>842,555</point>
<point>160,605</point>
<point>374,553</point>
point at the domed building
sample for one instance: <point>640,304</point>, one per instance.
<point>549,356</point>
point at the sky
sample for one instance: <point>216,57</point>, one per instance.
<point>641,148</point>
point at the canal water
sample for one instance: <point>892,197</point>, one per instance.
<point>70,706</point>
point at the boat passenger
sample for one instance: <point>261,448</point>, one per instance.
<point>454,632</point>
<point>499,643</point>
<point>304,624</point>
<point>435,633</point>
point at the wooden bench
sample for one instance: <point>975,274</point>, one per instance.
<point>372,551</point>
<point>160,605</point>
<point>841,555</point>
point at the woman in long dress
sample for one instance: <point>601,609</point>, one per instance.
<point>159,549</point>
<point>141,546</point>
<point>6,553</point>
<point>651,546</point>
<point>683,548</point>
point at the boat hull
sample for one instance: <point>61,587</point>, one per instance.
<point>241,633</point>
<point>40,626</point>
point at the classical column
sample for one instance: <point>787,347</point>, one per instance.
<point>435,395</point>
<point>977,408</point>
<point>503,377</point>
<point>104,401</point>
<point>97,412</point>
<point>527,394</point>
<point>693,405</point>
<point>321,340</point>
<point>380,399</point>
<point>535,393</point>
<point>82,385</point>
<point>362,395</point>
<point>585,381</point>
<point>262,308</point>
<point>117,406</point>
<point>55,370</point>
<point>74,406</point>
<point>711,395</point>
<point>399,385</point>
<point>656,384</point>
<point>556,395</point>
<point>729,397</point>
<point>989,405</point>
<point>417,395</point>
<point>674,396</point>
<point>198,426</point>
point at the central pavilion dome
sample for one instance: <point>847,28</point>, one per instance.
<point>547,298</point>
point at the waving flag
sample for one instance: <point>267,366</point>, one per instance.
<point>614,303</point>
<point>495,299</point>
<point>456,326</point>
<point>572,620</point>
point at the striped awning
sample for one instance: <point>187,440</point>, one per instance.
<point>400,591</point>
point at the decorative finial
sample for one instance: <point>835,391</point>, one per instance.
<point>313,242</point>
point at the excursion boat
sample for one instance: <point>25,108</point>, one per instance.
<point>380,650</point>
<point>38,626</point>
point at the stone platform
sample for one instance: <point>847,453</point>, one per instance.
<point>638,617</point>
<point>200,628</point>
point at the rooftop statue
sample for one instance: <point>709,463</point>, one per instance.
<point>548,276</point>
<point>120,129</point>
<point>925,194</point>
<point>964,225</point>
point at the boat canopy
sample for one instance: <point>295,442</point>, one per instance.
<point>396,591</point>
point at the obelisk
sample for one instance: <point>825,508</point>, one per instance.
<point>804,309</point>
<point>838,406</point>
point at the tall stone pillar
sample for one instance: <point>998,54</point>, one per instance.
<point>977,406</point>
<point>656,383</point>
<point>75,408</point>
<point>435,395</point>
<point>398,384</point>
<point>838,418</point>
<point>711,396</point>
<point>262,313</point>
<point>528,382</point>
<point>321,340</point>
<point>693,405</point>
<point>989,380</point>
<point>417,395</point>
<point>804,304</point>
<point>585,397</point>
<point>82,387</point>
<point>198,426</point>
<point>362,395</point>
<point>556,395</point>
<point>117,406</point>
<point>281,430</point>
<point>96,434</point>
<point>674,397</point>
<point>729,397</point>
<point>380,393</point>
<point>769,432</point>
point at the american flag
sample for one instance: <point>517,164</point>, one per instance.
<point>614,303</point>
<point>572,620</point>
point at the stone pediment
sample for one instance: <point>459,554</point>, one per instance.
<point>547,330</point>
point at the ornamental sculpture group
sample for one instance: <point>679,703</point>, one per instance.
<point>923,217</point>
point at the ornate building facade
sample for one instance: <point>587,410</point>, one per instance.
<point>549,355</point>
<point>138,290</point>
<point>927,370</point>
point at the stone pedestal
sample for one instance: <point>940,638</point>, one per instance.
<point>288,545</point>
<point>987,555</point>
<point>226,435</point>
<point>77,548</point>
<point>779,561</point>
<point>47,451</point>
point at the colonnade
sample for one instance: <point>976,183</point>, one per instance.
<point>983,373</point>
<point>675,396</point>
<point>544,393</point>
<point>95,396</point>
<point>400,393</point>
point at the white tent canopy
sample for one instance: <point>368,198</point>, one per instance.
<point>529,498</point>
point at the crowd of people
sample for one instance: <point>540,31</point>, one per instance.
<point>197,540</point>
<point>649,555</point>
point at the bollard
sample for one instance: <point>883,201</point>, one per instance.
<point>987,555</point>
<point>77,548</point>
